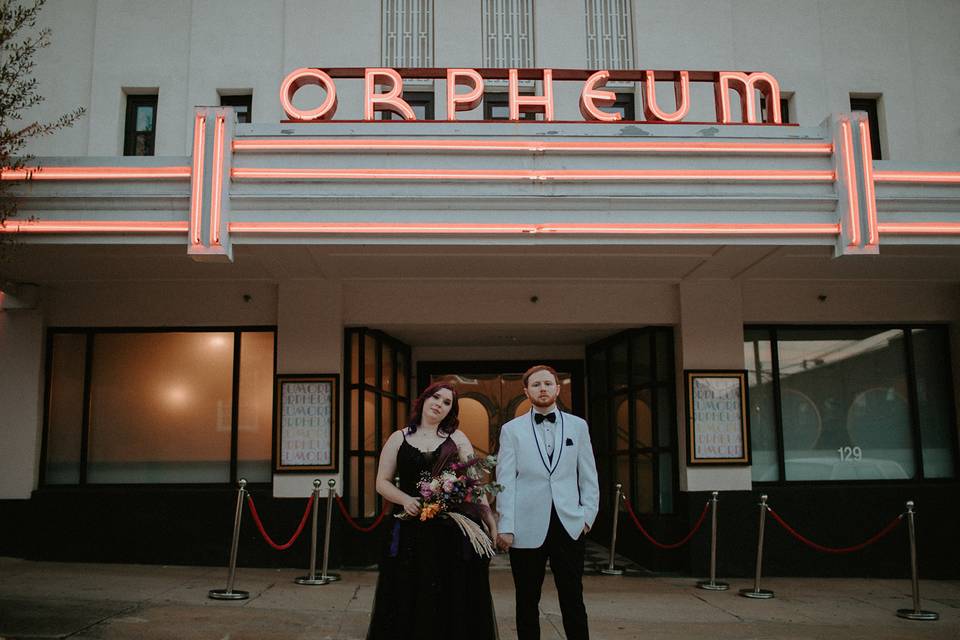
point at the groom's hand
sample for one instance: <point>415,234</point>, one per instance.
<point>505,541</point>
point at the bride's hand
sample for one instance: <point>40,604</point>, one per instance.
<point>411,506</point>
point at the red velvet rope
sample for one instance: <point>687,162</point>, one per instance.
<point>819,547</point>
<point>266,536</point>
<point>675,545</point>
<point>350,521</point>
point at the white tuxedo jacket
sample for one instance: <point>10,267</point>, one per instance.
<point>532,482</point>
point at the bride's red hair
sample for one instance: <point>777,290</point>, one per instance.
<point>449,424</point>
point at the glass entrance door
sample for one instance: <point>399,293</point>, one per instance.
<point>631,390</point>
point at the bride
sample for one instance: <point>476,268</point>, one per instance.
<point>432,583</point>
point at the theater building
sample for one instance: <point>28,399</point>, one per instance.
<point>346,201</point>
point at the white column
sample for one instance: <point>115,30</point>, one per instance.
<point>309,340</point>
<point>21,399</point>
<point>711,337</point>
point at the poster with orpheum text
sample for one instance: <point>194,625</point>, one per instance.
<point>716,403</point>
<point>306,419</point>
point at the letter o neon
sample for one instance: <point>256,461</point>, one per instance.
<point>301,78</point>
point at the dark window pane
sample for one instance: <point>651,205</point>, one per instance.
<point>622,425</point>
<point>871,107</point>
<point>641,363</point>
<point>65,411</point>
<point>937,431</point>
<point>242,105</point>
<point>371,501</point>
<point>140,125</point>
<point>643,498</point>
<point>642,419</point>
<point>763,424</point>
<point>666,483</point>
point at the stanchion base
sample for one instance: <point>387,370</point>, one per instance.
<point>910,614</point>
<point>759,594</point>
<point>616,571</point>
<point>315,580</point>
<point>223,594</point>
<point>332,577</point>
<point>711,585</point>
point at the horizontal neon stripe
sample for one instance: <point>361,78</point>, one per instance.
<point>93,226</point>
<point>584,229</point>
<point>98,173</point>
<point>531,146</point>
<point>564,175</point>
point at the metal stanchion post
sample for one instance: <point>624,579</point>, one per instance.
<point>610,569</point>
<point>329,577</point>
<point>712,584</point>
<point>916,613</point>
<point>757,592</point>
<point>229,593</point>
<point>312,578</point>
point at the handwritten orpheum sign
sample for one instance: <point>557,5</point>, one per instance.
<point>717,417</point>
<point>383,91</point>
<point>305,423</point>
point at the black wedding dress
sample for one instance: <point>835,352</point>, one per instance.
<point>432,584</point>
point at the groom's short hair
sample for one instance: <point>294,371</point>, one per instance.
<point>540,367</point>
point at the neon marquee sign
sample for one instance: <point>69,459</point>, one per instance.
<point>383,92</point>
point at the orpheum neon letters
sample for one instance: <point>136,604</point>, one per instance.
<point>383,91</point>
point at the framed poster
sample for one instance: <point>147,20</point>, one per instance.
<point>718,431</point>
<point>306,422</point>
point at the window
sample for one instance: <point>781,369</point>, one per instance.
<point>155,407</point>
<point>609,26</point>
<point>420,101</point>
<point>872,108</point>
<point>242,104</point>
<point>784,109</point>
<point>496,106</point>
<point>632,409</point>
<point>140,130</point>
<point>623,106</point>
<point>839,403</point>
<point>407,33</point>
<point>377,402</point>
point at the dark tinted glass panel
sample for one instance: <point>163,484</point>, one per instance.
<point>65,411</point>
<point>242,105</point>
<point>763,421</point>
<point>140,125</point>
<point>937,428</point>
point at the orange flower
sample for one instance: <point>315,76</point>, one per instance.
<point>428,511</point>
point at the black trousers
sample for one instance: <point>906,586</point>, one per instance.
<point>566,563</point>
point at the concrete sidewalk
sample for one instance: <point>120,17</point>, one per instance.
<point>87,601</point>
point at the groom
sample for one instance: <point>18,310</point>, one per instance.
<point>549,500</point>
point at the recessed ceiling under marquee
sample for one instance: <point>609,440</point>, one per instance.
<point>49,263</point>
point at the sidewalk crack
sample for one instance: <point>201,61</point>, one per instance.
<point>718,608</point>
<point>122,612</point>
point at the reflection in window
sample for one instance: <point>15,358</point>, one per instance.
<point>763,423</point>
<point>845,399</point>
<point>140,125</point>
<point>160,407</point>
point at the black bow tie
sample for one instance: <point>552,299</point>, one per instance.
<point>540,417</point>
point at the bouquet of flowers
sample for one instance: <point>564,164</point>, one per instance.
<point>456,491</point>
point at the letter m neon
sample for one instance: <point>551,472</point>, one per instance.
<point>745,84</point>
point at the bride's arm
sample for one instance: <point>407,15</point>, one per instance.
<point>387,469</point>
<point>465,449</point>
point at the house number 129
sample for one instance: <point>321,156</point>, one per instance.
<point>850,453</point>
